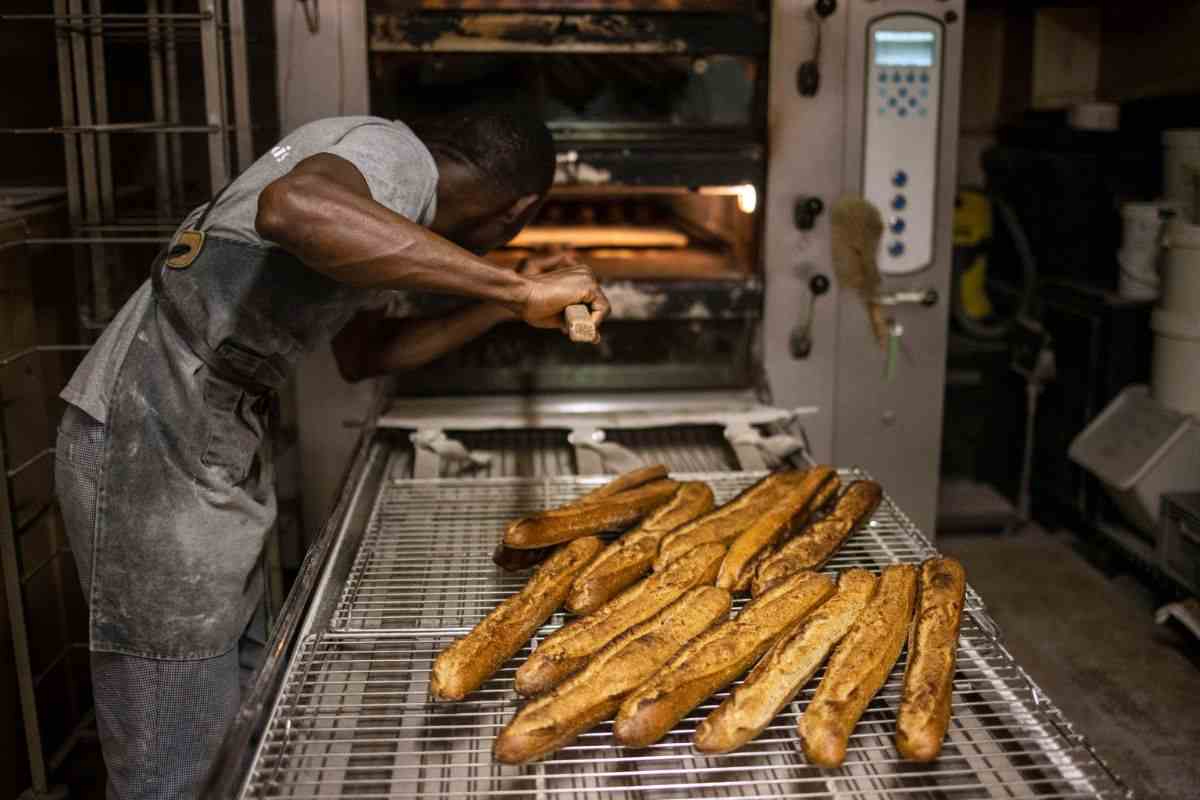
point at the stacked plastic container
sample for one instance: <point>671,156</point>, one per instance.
<point>1175,369</point>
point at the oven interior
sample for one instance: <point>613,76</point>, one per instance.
<point>660,170</point>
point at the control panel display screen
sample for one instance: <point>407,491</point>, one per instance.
<point>904,48</point>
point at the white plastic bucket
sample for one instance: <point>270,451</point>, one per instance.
<point>1181,159</point>
<point>1175,367</point>
<point>1181,268</point>
<point>1140,252</point>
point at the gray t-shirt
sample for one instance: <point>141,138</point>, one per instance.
<point>399,170</point>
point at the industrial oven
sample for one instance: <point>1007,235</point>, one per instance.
<point>701,146</point>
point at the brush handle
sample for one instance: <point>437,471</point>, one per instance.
<point>579,323</point>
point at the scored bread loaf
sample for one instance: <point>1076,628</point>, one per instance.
<point>776,520</point>
<point>786,668</point>
<point>611,513</point>
<point>630,557</point>
<point>929,677</point>
<point>818,542</point>
<point>593,695</point>
<point>514,559</point>
<point>469,661</point>
<point>859,666</point>
<point>567,650</point>
<point>723,524</point>
<point>715,659</point>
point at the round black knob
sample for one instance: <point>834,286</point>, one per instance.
<point>814,205</point>
<point>818,284</point>
<point>826,7</point>
<point>930,298</point>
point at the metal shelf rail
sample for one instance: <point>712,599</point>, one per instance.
<point>92,200</point>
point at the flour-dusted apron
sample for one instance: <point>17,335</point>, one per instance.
<point>186,495</point>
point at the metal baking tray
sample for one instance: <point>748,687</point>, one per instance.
<point>353,719</point>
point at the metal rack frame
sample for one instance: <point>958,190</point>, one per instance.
<point>407,568</point>
<point>92,209</point>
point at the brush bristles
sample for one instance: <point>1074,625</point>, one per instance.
<point>857,227</point>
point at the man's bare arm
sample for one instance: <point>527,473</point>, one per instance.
<point>322,212</point>
<point>371,344</point>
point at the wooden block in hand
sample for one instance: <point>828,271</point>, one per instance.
<point>579,324</point>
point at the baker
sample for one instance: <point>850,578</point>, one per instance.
<point>165,483</point>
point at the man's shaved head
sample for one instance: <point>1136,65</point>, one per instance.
<point>509,146</point>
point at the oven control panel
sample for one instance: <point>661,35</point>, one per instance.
<point>904,78</point>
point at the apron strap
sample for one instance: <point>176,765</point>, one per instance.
<point>229,362</point>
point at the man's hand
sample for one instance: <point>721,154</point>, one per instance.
<point>557,281</point>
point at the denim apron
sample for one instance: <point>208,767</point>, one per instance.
<point>186,496</point>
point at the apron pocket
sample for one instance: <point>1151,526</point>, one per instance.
<point>234,430</point>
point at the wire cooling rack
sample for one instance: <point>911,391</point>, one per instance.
<point>354,720</point>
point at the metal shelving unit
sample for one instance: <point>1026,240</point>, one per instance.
<point>98,230</point>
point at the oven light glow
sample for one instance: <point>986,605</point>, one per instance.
<point>746,194</point>
<point>747,198</point>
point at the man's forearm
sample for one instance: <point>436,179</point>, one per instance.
<point>403,344</point>
<point>334,227</point>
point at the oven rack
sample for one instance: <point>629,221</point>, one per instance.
<point>353,718</point>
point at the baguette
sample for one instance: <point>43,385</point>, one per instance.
<point>859,666</point>
<point>770,527</point>
<point>469,661</point>
<point>928,680</point>
<point>515,560</point>
<point>715,659</point>
<point>609,513</point>
<point>725,523</point>
<point>566,651</point>
<point>630,557</point>
<point>593,695</point>
<point>820,506</point>
<point>813,548</point>
<point>623,483</point>
<point>786,668</point>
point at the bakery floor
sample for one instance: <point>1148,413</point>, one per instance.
<point>1083,628</point>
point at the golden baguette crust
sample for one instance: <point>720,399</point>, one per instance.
<point>623,483</point>
<point>786,668</point>
<point>775,521</point>
<point>715,659</point>
<point>726,522</point>
<point>820,506</point>
<point>932,646</point>
<point>610,513</point>
<point>469,661</point>
<point>859,666</point>
<point>515,560</point>
<point>567,650</point>
<point>817,543</point>
<point>593,695</point>
<point>630,557</point>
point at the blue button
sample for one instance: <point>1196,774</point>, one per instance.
<point>902,111</point>
<point>903,92</point>
<point>896,249</point>
<point>899,202</point>
<point>900,178</point>
<point>882,77</point>
<point>912,101</point>
<point>910,77</point>
<point>897,225</point>
<point>924,77</point>
<point>896,77</point>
